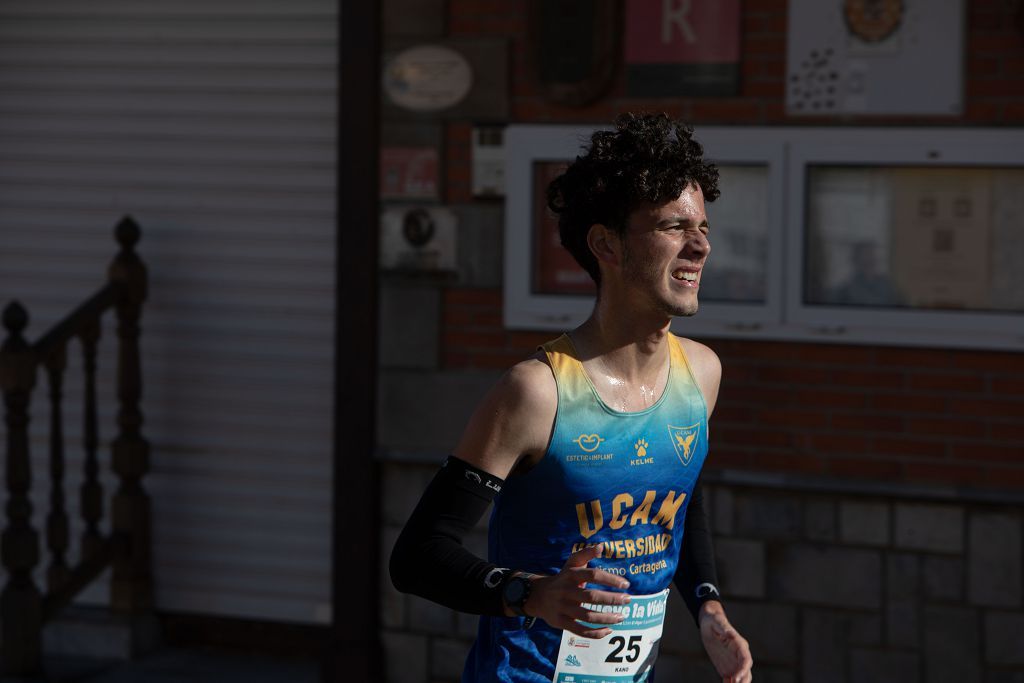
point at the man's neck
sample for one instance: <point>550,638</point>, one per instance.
<point>628,345</point>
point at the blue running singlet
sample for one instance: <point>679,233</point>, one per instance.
<point>613,479</point>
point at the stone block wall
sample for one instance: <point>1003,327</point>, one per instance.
<point>827,585</point>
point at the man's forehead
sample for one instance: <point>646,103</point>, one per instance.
<point>687,207</point>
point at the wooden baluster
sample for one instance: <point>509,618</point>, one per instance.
<point>91,492</point>
<point>57,520</point>
<point>20,600</point>
<point>131,588</point>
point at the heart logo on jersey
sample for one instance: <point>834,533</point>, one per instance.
<point>588,442</point>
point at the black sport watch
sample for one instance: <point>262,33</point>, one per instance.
<point>515,591</point>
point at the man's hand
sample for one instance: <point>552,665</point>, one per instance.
<point>557,599</point>
<point>726,648</point>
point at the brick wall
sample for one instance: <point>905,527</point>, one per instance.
<point>914,415</point>
<point>994,78</point>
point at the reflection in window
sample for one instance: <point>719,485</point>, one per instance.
<point>553,270</point>
<point>920,237</point>
<point>737,268</point>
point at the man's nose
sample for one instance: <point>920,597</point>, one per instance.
<point>698,245</point>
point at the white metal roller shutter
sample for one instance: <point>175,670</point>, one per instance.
<point>212,122</point>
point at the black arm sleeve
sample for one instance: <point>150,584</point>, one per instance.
<point>697,558</point>
<point>429,558</point>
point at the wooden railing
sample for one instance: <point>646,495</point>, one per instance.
<point>24,608</point>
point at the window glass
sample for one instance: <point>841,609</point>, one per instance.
<point>736,270</point>
<point>915,237</point>
<point>554,269</point>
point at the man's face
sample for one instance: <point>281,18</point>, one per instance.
<point>664,250</point>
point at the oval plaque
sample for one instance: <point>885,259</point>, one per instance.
<point>427,78</point>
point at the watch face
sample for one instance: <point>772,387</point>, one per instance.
<point>514,591</point>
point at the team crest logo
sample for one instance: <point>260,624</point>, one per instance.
<point>684,439</point>
<point>588,442</point>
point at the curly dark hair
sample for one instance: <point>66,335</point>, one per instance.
<point>648,158</point>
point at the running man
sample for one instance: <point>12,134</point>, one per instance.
<point>591,450</point>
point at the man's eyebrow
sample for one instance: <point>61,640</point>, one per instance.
<point>683,220</point>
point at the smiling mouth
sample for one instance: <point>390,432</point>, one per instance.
<point>684,275</point>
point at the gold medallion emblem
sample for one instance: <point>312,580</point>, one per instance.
<point>872,20</point>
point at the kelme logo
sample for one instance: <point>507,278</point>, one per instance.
<point>588,442</point>
<point>683,440</point>
<point>643,453</point>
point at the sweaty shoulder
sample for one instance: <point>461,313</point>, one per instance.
<point>707,369</point>
<point>512,425</point>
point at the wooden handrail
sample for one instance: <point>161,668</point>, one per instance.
<point>23,607</point>
<point>79,578</point>
<point>70,327</point>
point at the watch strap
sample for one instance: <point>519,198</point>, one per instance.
<point>517,605</point>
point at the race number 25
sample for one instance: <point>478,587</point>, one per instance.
<point>632,649</point>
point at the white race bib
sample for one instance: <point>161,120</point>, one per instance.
<point>625,656</point>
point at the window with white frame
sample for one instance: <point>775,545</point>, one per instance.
<point>902,236</point>
<point>546,289</point>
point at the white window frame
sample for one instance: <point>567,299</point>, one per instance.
<point>936,147</point>
<point>524,309</point>
<point>787,152</point>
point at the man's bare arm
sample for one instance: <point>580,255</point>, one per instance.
<point>509,430</point>
<point>513,423</point>
<point>707,369</point>
<point>727,649</point>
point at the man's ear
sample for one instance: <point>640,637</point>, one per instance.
<point>605,244</point>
